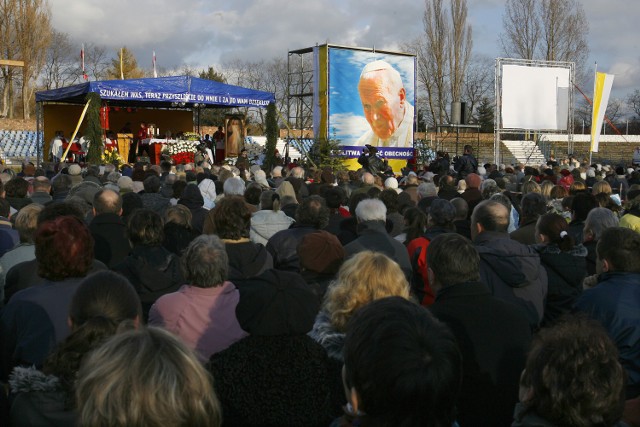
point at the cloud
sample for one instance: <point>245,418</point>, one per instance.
<point>349,126</point>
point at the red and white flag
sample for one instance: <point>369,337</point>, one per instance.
<point>84,74</point>
<point>155,72</point>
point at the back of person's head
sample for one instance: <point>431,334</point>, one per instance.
<point>61,183</point>
<point>553,228</point>
<point>531,187</point>
<point>492,215</point>
<point>468,149</point>
<point>581,205</point>
<point>488,188</point>
<point>335,197</point>
<point>601,187</point>
<point>415,222</point>
<point>103,303</point>
<point>270,200</point>
<point>462,207</point>
<point>145,228</point>
<point>368,178</point>
<point>233,186</point>
<point>572,375</point>
<point>27,222</point>
<point>371,210</point>
<point>252,193</point>
<point>313,211</point>
<point>55,210</point>
<point>178,214</point>
<point>427,189</point>
<point>533,205</point>
<point>152,184</point>
<point>364,277</point>
<point>64,248</point>
<point>5,208</point>
<point>165,166</point>
<point>232,218</point>
<point>598,220</point>
<point>297,172</point>
<point>145,377</point>
<point>501,198</point>
<point>42,184</point>
<point>453,259</point>
<point>390,199</point>
<point>205,262</point>
<point>619,247</point>
<point>397,354</point>
<point>17,187</point>
<point>107,201</point>
<point>473,180</point>
<point>442,213</point>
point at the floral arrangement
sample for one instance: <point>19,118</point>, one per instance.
<point>191,136</point>
<point>111,157</point>
<point>182,151</point>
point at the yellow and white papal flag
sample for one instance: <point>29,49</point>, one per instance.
<point>601,92</point>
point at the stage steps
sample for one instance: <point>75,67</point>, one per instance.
<point>526,152</point>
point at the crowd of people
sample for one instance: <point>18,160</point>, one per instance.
<point>458,294</point>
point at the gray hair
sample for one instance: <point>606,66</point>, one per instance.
<point>205,263</point>
<point>368,178</point>
<point>598,220</point>
<point>297,172</point>
<point>371,210</point>
<point>427,189</point>
<point>233,187</point>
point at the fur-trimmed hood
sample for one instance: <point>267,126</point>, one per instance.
<point>27,380</point>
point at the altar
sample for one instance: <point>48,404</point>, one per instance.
<point>154,147</point>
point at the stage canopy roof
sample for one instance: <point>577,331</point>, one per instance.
<point>161,92</point>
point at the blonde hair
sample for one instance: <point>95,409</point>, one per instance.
<point>601,187</point>
<point>366,277</point>
<point>145,377</point>
<point>27,222</point>
<point>178,214</point>
<point>545,188</point>
<point>577,186</point>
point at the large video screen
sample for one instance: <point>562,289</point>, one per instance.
<point>535,98</point>
<point>371,101</point>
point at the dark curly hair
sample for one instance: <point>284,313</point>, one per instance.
<point>232,218</point>
<point>573,376</point>
<point>64,248</point>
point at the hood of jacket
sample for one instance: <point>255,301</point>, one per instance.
<point>247,259</point>
<point>266,223</point>
<point>515,264</point>
<point>30,379</point>
<point>570,266</point>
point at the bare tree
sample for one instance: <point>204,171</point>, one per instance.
<point>633,102</point>
<point>443,56</point>
<point>96,62</point>
<point>61,68</point>
<point>33,29</point>
<point>8,50</point>
<point>552,30</point>
<point>521,29</point>
<point>460,43</point>
<point>478,83</point>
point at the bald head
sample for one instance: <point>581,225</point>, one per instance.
<point>107,201</point>
<point>489,215</point>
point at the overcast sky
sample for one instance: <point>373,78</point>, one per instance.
<point>201,33</point>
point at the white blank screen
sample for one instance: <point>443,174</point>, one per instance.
<point>535,98</point>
